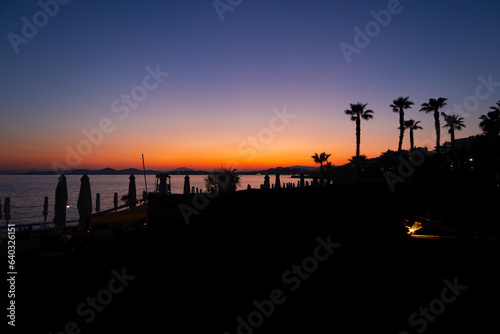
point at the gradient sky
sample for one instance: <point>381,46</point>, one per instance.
<point>227,79</point>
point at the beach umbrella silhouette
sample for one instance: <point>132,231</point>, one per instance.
<point>163,189</point>
<point>302,185</point>
<point>132,195</point>
<point>277,183</point>
<point>115,200</point>
<point>97,202</point>
<point>186,185</point>
<point>61,203</point>
<point>84,205</point>
<point>266,182</point>
<point>6,209</point>
<point>45,208</point>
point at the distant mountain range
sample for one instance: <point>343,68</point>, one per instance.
<point>177,171</point>
<point>105,171</point>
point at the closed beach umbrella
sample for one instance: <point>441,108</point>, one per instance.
<point>6,209</point>
<point>84,205</point>
<point>163,190</point>
<point>186,185</point>
<point>97,202</point>
<point>132,195</point>
<point>302,185</point>
<point>267,185</point>
<point>277,183</point>
<point>315,180</point>
<point>45,208</point>
<point>61,203</point>
<point>115,200</point>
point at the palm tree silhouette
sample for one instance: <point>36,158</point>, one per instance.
<point>453,122</point>
<point>412,125</point>
<point>319,159</point>
<point>433,106</point>
<point>358,112</point>
<point>328,169</point>
<point>490,123</point>
<point>399,105</point>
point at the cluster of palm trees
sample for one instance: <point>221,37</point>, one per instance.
<point>359,111</point>
<point>490,125</point>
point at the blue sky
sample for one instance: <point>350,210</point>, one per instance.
<point>226,77</point>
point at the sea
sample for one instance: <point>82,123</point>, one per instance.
<point>27,192</point>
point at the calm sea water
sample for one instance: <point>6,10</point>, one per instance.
<point>27,192</point>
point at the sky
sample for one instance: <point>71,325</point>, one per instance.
<point>234,83</point>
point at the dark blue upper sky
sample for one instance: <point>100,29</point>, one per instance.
<point>227,76</point>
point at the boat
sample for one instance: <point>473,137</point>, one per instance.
<point>117,215</point>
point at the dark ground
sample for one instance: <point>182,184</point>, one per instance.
<point>199,278</point>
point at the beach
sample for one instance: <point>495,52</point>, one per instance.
<point>314,257</point>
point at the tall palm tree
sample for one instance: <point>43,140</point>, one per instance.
<point>433,106</point>
<point>453,122</point>
<point>412,125</point>
<point>319,159</point>
<point>490,123</point>
<point>399,105</point>
<point>358,112</point>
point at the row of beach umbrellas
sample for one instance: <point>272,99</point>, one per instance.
<point>84,203</point>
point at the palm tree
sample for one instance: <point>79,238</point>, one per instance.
<point>433,106</point>
<point>358,112</point>
<point>399,105</point>
<point>412,125</point>
<point>359,160</point>
<point>319,159</point>
<point>222,180</point>
<point>453,122</point>
<point>490,123</point>
<point>328,172</point>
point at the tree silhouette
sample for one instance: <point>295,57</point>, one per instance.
<point>328,172</point>
<point>453,122</point>
<point>490,123</point>
<point>433,106</point>
<point>358,112</point>
<point>412,125</point>
<point>319,159</point>
<point>399,105</point>
<point>222,180</point>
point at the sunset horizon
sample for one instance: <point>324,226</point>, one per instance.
<point>255,94</point>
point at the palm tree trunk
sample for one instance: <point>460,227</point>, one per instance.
<point>438,130</point>
<point>358,134</point>
<point>411,139</point>
<point>401,128</point>
<point>452,133</point>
